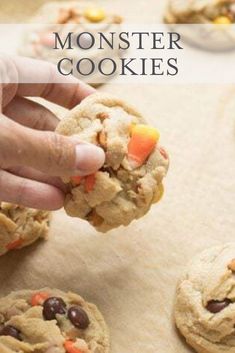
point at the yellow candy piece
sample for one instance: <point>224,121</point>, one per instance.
<point>222,20</point>
<point>146,130</point>
<point>158,195</point>
<point>95,14</point>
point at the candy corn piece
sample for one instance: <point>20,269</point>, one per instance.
<point>89,182</point>
<point>142,143</point>
<point>70,348</point>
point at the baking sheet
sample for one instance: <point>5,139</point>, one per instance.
<point>131,273</point>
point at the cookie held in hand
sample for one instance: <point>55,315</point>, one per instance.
<point>205,301</point>
<point>21,226</point>
<point>51,321</point>
<point>135,165</point>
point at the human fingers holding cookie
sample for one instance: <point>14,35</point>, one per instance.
<point>32,155</point>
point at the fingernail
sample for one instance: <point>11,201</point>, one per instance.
<point>89,158</point>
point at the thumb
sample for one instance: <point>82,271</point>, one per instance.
<point>47,151</point>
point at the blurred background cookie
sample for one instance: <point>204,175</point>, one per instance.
<point>205,301</point>
<point>201,11</point>
<point>75,17</point>
<point>20,226</point>
<point>51,321</point>
<point>219,14</point>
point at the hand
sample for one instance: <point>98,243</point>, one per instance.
<point>32,155</point>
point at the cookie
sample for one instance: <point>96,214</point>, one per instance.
<point>205,301</point>
<point>201,11</point>
<point>21,226</point>
<point>39,41</point>
<point>214,12</point>
<point>135,165</point>
<point>51,321</point>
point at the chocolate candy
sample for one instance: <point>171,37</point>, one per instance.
<point>9,330</point>
<point>78,317</point>
<point>53,306</point>
<point>215,306</point>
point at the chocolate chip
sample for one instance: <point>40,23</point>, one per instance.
<point>78,317</point>
<point>53,306</point>
<point>215,306</point>
<point>9,330</point>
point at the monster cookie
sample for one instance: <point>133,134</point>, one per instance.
<point>51,321</point>
<point>84,21</point>
<point>205,301</point>
<point>214,12</point>
<point>201,11</point>
<point>20,226</point>
<point>131,178</point>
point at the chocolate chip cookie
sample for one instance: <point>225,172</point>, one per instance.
<point>210,12</point>
<point>205,301</point>
<point>21,226</point>
<point>131,178</point>
<point>51,321</point>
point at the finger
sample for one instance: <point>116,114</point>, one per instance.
<point>29,193</point>
<point>46,151</point>
<point>8,79</point>
<point>8,93</point>
<point>31,114</point>
<point>33,174</point>
<point>46,82</point>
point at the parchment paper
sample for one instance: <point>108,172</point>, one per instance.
<point>131,273</point>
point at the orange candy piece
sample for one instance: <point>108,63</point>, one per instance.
<point>76,179</point>
<point>39,298</point>
<point>14,244</point>
<point>70,348</point>
<point>143,141</point>
<point>90,182</point>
